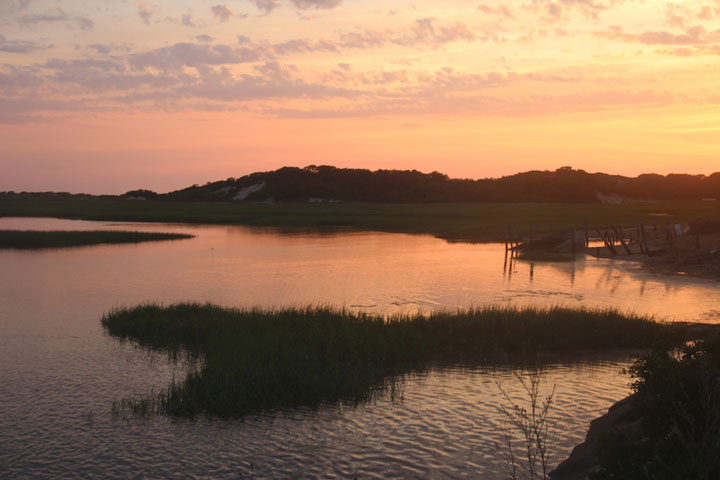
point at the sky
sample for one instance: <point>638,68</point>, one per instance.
<point>106,96</point>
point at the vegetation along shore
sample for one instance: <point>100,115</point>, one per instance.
<point>668,429</point>
<point>35,239</point>
<point>477,222</point>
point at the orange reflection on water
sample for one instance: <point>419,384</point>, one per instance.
<point>367,271</point>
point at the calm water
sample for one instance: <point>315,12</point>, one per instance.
<point>59,373</point>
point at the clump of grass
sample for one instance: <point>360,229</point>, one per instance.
<point>254,360</point>
<point>34,239</point>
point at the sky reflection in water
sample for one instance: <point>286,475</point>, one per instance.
<point>61,373</point>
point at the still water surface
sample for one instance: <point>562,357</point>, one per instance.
<point>59,373</point>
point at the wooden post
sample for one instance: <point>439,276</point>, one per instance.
<point>644,239</point>
<point>671,237</point>
<point>506,261</point>
<point>602,237</point>
<point>606,239</point>
<point>622,241</point>
<point>612,248</point>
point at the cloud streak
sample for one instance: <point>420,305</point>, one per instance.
<point>56,16</point>
<point>694,35</point>
<point>268,6</point>
<point>20,46</point>
<point>319,4</point>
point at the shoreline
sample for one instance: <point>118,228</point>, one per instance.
<point>454,222</point>
<point>583,458</point>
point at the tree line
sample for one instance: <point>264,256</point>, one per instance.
<point>327,183</point>
<point>324,183</point>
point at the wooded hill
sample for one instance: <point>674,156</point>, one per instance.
<point>326,183</point>
<point>330,184</point>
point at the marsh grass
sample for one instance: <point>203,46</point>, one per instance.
<point>36,239</point>
<point>482,222</point>
<point>253,360</point>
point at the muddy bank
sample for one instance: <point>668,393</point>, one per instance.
<point>701,259</point>
<point>689,255</point>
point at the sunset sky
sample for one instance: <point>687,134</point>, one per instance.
<point>104,96</point>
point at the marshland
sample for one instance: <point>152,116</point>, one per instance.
<point>359,239</point>
<point>427,408</point>
<point>258,360</point>
<point>475,222</point>
<point>32,239</point>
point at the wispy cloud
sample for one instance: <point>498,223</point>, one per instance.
<point>193,55</point>
<point>694,35</point>
<point>156,80</point>
<point>222,12</point>
<point>187,20</point>
<point>692,51</point>
<point>107,48</point>
<point>324,4</point>
<point>423,32</point>
<point>266,6</point>
<point>501,10</point>
<point>9,7</point>
<point>144,11</point>
<point>328,73</point>
<point>555,10</point>
<point>55,16</point>
<point>20,46</point>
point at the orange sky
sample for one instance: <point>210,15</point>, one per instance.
<point>104,97</point>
